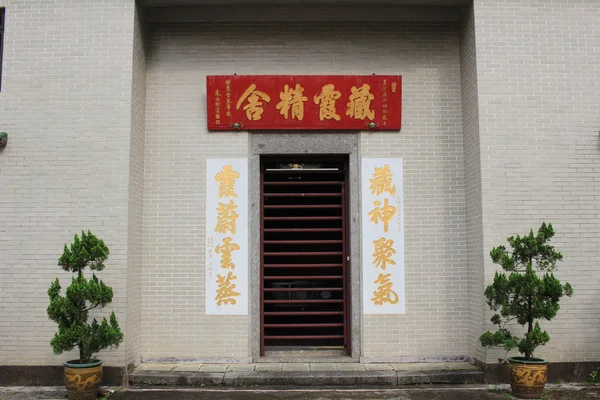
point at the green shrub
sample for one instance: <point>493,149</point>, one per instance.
<point>71,311</point>
<point>522,295</point>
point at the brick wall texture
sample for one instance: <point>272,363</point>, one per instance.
<point>472,158</point>
<point>66,104</point>
<point>431,146</point>
<point>133,337</point>
<point>107,125</point>
<point>539,122</point>
<point>174,323</point>
<point>181,55</point>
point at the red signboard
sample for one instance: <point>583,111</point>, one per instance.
<point>300,102</point>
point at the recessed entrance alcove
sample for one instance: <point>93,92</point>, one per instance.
<point>304,246</point>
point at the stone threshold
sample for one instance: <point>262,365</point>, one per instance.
<point>304,374</point>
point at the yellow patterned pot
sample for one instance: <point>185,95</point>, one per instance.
<point>83,380</point>
<point>527,377</point>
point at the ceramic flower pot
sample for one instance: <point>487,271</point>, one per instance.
<point>83,380</point>
<point>527,377</point>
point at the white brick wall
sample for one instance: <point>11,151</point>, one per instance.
<point>431,144</point>
<point>177,144</point>
<point>497,136</point>
<point>474,243</point>
<point>133,335</point>
<point>176,147</point>
<point>537,74</point>
<point>66,104</point>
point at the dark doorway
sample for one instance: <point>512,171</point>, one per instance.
<point>304,253</point>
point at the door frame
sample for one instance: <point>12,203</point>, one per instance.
<point>262,144</point>
<point>345,210</point>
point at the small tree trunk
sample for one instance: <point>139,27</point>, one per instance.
<point>530,314</point>
<point>529,327</point>
<point>81,353</point>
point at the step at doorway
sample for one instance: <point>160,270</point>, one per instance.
<point>304,254</point>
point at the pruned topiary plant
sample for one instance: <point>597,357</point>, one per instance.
<point>71,311</point>
<point>522,295</point>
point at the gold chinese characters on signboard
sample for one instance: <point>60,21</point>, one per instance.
<point>383,212</point>
<point>293,99</point>
<point>254,108</point>
<point>226,224</point>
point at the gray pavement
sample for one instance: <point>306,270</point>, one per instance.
<point>303,374</point>
<point>308,366</point>
<point>418,392</point>
<point>414,393</point>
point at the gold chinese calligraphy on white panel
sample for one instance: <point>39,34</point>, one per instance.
<point>227,237</point>
<point>382,236</point>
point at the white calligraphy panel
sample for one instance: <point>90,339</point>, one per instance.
<point>382,236</point>
<point>227,237</point>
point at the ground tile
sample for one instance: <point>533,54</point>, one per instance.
<point>407,367</point>
<point>268,367</point>
<point>378,367</point>
<point>350,367</point>
<point>460,366</point>
<point>144,367</point>
<point>432,366</point>
<point>323,367</point>
<point>187,368</point>
<point>296,367</point>
<point>213,368</point>
<point>156,367</point>
<point>241,367</point>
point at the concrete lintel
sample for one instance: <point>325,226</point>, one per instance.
<point>302,14</point>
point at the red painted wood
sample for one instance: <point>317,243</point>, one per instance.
<point>304,273</point>
<point>303,172</point>
<point>303,301</point>
<point>302,253</point>
<point>303,195</point>
<point>225,109</point>
<point>303,230</point>
<point>327,325</point>
<point>303,218</point>
<point>303,241</point>
<point>302,265</point>
<point>329,183</point>
<point>301,313</point>
<point>303,289</point>
<point>303,277</point>
<point>305,337</point>
<point>309,206</point>
<point>262,264</point>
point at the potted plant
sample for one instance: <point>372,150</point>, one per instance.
<point>525,296</point>
<point>84,375</point>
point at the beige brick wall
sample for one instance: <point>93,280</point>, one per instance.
<point>474,238</point>
<point>177,145</point>
<point>431,145</point>
<point>133,336</point>
<point>176,148</point>
<point>66,104</point>
<point>110,135</point>
<point>537,74</point>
